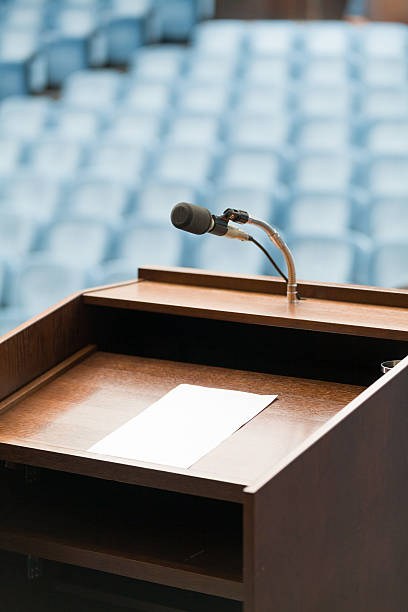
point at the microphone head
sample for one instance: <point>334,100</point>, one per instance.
<point>191,218</point>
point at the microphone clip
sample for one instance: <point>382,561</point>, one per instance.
<point>238,216</point>
<point>220,223</point>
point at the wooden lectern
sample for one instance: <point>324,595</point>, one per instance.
<point>304,509</point>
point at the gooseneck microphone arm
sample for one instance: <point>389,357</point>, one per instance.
<point>199,220</point>
<point>241,216</point>
<point>291,286</point>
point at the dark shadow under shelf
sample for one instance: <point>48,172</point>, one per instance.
<point>131,531</point>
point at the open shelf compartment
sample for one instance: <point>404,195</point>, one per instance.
<point>127,530</point>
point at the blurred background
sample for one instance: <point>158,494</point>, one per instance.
<point>111,111</point>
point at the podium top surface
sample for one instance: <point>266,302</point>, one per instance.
<point>101,391</point>
<point>354,310</point>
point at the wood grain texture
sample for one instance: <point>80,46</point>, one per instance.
<point>42,343</point>
<point>86,553</point>
<point>46,378</point>
<point>279,9</point>
<point>395,11</point>
<point>360,294</point>
<point>118,469</point>
<point>325,315</point>
<point>328,530</point>
<point>105,390</point>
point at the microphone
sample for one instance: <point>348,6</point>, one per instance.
<point>198,220</point>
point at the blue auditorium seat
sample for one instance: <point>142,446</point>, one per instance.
<point>220,37</point>
<point>23,116</point>
<point>250,169</point>
<point>383,40</point>
<point>161,63</point>
<point>378,103</point>
<point>11,151</point>
<point>77,125</point>
<point>187,165</point>
<point>327,39</point>
<point>155,200</point>
<point>387,176</point>
<point>384,73</point>
<point>226,255</point>
<point>388,219</point>
<point>21,15</point>
<point>65,47</point>
<point>389,264</point>
<point>324,172</point>
<point>264,99</point>
<point>100,200</point>
<point>116,162</point>
<point>97,89</point>
<point>204,98</point>
<point>37,4</point>
<point>151,245</point>
<point>386,137</point>
<point>145,96</point>
<point>267,71</point>
<point>31,196</point>
<point>332,72</point>
<point>17,49</point>
<point>316,213</point>
<point>272,38</point>
<point>18,234</point>
<point>191,129</point>
<point>84,4</point>
<point>323,134</point>
<point>40,281</point>
<point>209,69</point>
<point>134,128</point>
<point>318,101</point>
<point>55,158</point>
<point>177,18</point>
<point>128,25</point>
<point>206,9</point>
<point>262,132</point>
<point>335,259</point>
<point>78,242</point>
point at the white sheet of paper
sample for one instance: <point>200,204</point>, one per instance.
<point>183,425</point>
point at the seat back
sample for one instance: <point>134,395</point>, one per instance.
<point>78,242</point>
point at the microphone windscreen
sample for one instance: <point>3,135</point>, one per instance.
<point>191,218</point>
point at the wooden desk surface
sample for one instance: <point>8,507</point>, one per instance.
<point>97,395</point>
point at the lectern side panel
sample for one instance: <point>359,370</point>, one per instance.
<point>329,531</point>
<point>42,343</point>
